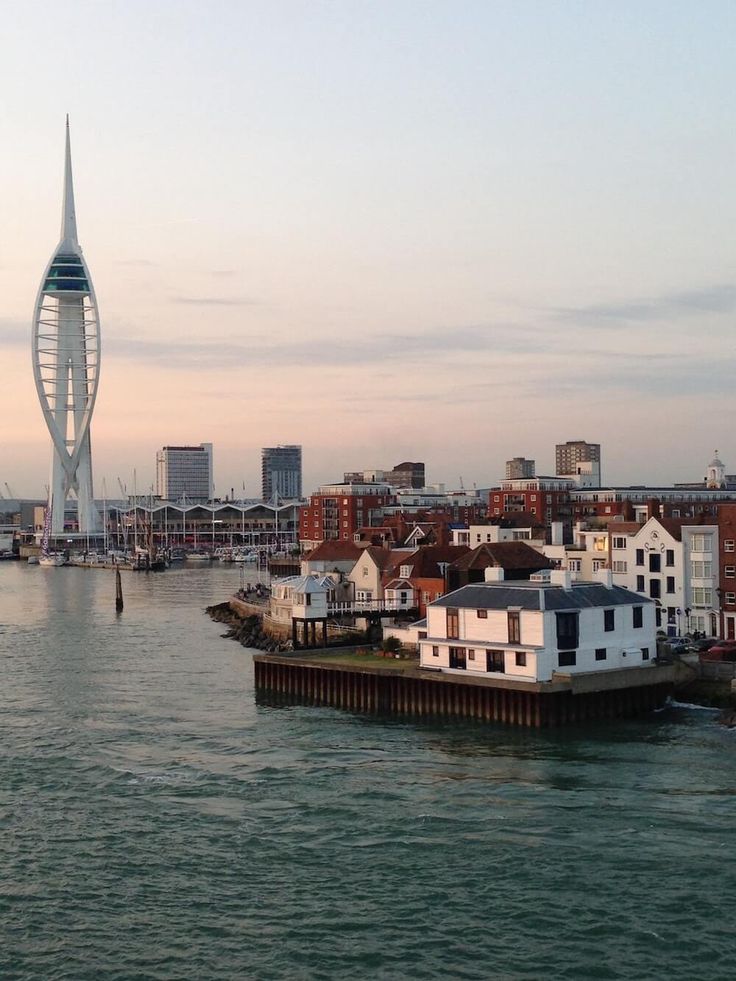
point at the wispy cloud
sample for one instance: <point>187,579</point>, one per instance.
<point>216,301</point>
<point>719,299</point>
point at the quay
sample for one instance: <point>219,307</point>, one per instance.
<point>402,688</point>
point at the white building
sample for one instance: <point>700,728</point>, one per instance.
<point>476,535</point>
<point>185,472</point>
<point>532,630</point>
<point>676,565</point>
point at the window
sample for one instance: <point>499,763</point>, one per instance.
<point>640,556</point>
<point>645,653</point>
<point>609,620</point>
<point>640,587</point>
<point>729,545</point>
<point>670,557</point>
<point>730,599</point>
<point>655,562</point>
<point>566,659</point>
<point>404,571</point>
<point>702,596</point>
<point>655,588</point>
<point>599,564</point>
<point>521,659</point>
<point>567,630</point>
<point>532,497</point>
<point>701,570</point>
<point>457,658</point>
<point>453,623</point>
<point>600,653</point>
<point>619,566</point>
<point>435,651</point>
<point>730,571</point>
<point>638,615</point>
<point>471,654</point>
<point>514,624</point>
<point>670,584</point>
<point>365,571</point>
<point>482,614</point>
<point>574,565</point>
<point>496,661</point>
<point>701,543</point>
<point>619,542</point>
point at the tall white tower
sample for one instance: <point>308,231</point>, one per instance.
<point>66,366</point>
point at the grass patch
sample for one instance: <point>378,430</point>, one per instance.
<point>366,660</point>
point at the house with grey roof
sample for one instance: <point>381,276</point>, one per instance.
<point>534,630</point>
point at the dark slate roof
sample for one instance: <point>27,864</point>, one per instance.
<point>508,555</point>
<point>527,596</point>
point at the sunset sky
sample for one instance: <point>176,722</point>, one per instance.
<point>454,232</point>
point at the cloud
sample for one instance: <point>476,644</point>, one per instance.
<point>216,301</point>
<point>720,298</point>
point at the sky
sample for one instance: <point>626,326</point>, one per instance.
<point>454,232</point>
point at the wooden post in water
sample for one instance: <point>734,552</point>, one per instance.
<point>118,592</point>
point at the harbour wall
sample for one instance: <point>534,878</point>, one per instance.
<point>415,693</point>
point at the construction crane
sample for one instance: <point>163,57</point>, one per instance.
<point>123,489</point>
<point>7,488</point>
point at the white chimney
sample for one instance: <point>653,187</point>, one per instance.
<point>555,530</point>
<point>604,576</point>
<point>561,577</point>
<point>494,573</point>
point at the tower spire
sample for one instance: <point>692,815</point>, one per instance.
<point>68,213</point>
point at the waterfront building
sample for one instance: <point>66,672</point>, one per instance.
<point>675,564</point>
<point>281,472</point>
<point>336,556</point>
<point>547,500</point>
<point>539,630</point>
<point>184,473</point>
<point>66,363</point>
<point>570,456</point>
<point>260,525</point>
<point>338,510</point>
<point>421,576</point>
<point>520,468</point>
<point>369,569</point>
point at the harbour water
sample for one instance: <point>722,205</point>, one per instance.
<point>158,822</point>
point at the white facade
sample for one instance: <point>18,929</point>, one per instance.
<point>66,362</point>
<point>476,535</point>
<point>304,597</point>
<point>185,473</point>
<point>680,574</point>
<point>524,630</point>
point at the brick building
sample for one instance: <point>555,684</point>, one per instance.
<point>339,510</point>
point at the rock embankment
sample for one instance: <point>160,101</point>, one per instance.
<point>248,631</point>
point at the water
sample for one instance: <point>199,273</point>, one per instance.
<point>156,822</point>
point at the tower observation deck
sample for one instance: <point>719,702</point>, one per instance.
<point>66,362</point>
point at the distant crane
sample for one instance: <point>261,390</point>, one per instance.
<point>123,488</point>
<point>7,488</point>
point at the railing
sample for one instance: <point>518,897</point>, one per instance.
<point>370,606</point>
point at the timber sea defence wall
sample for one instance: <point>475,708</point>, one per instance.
<point>404,689</point>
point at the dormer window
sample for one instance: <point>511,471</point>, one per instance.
<point>405,572</point>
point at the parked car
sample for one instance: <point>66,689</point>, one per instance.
<point>679,645</point>
<point>724,650</point>
<point>704,644</point>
